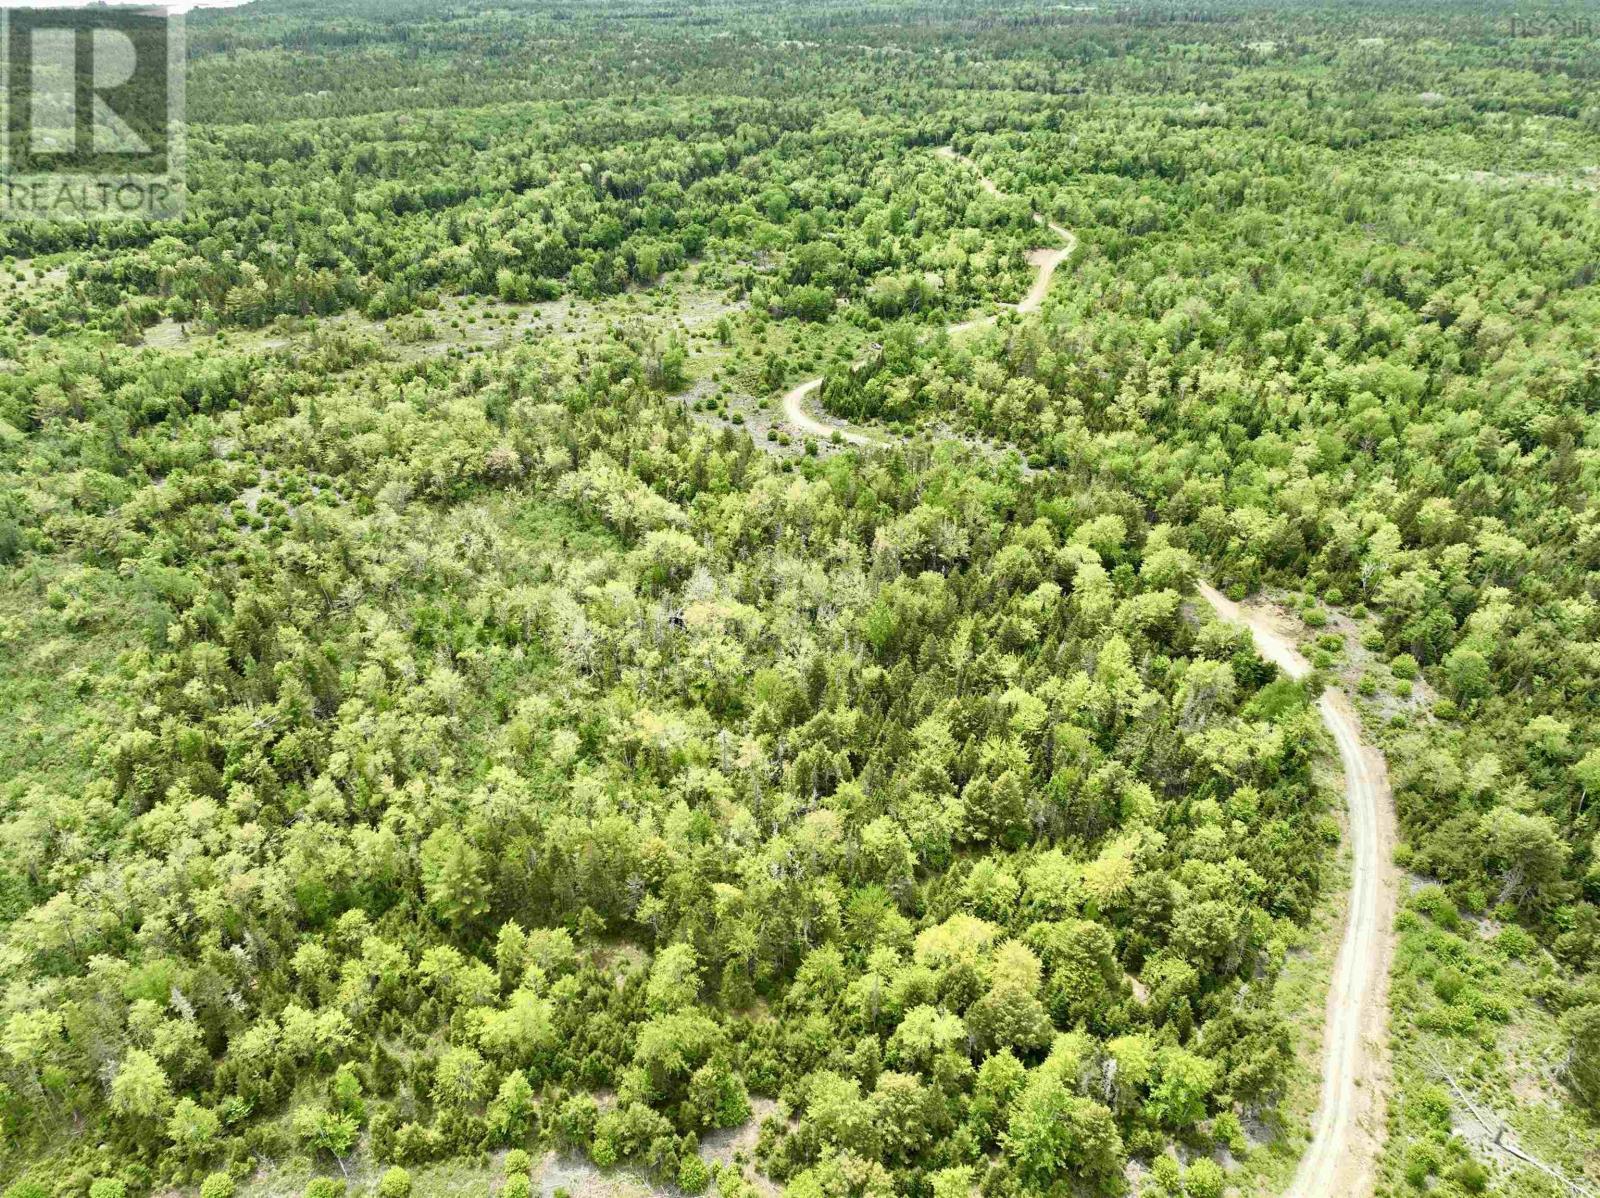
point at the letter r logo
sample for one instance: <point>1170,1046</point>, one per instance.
<point>59,124</point>
<point>91,111</point>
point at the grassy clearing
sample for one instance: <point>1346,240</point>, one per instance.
<point>1477,1053</point>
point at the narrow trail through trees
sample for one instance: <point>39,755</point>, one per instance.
<point>1347,1129</point>
<point>1044,262</point>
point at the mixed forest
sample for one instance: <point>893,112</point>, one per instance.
<point>459,738</point>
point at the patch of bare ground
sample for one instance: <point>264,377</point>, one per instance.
<point>1359,662</point>
<point>474,324</point>
<point>27,278</point>
<point>1492,1138</point>
<point>623,957</point>
<point>728,1148</point>
<point>763,420</point>
<point>566,1173</point>
<point>735,1147</point>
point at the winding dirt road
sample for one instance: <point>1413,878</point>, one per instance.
<point>1347,1130</point>
<point>1044,262</point>
<point>794,411</point>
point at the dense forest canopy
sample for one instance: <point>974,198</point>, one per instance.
<point>448,714</point>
